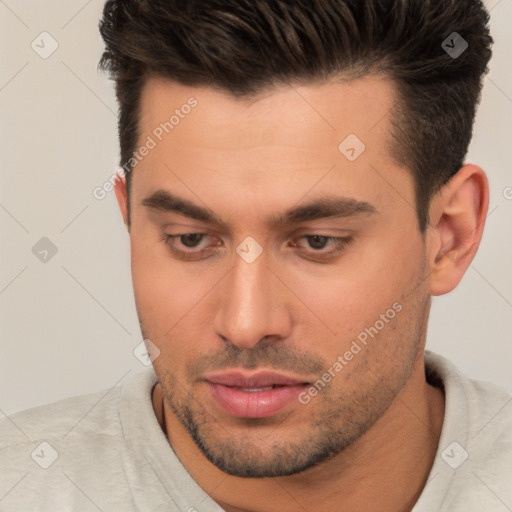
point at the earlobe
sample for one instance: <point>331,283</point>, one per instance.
<point>457,218</point>
<point>122,198</point>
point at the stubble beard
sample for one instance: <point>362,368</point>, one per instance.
<point>335,418</point>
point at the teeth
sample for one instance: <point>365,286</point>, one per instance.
<point>264,388</point>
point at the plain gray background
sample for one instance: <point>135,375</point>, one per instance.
<point>69,325</point>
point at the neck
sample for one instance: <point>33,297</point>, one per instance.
<point>385,469</point>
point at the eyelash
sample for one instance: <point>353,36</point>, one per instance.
<point>341,242</point>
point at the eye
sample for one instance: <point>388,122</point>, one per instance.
<point>319,242</point>
<point>190,245</point>
<point>191,241</point>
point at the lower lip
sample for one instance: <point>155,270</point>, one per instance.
<point>254,404</point>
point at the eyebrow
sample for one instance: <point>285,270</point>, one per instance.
<point>329,206</point>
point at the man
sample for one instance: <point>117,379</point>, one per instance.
<point>293,184</point>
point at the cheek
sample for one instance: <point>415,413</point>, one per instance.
<point>167,306</point>
<point>151,288</point>
<point>374,280</point>
<point>169,295</point>
<point>160,291</point>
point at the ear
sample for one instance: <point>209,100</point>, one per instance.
<point>122,198</point>
<point>457,217</point>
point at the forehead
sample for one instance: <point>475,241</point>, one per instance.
<point>296,115</point>
<point>209,145</point>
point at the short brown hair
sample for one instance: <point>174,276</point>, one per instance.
<point>244,46</point>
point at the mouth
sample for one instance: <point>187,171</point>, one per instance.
<point>255,395</point>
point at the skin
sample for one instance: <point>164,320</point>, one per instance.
<point>367,441</point>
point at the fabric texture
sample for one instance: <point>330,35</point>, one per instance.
<point>106,451</point>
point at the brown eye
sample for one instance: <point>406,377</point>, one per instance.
<point>319,242</point>
<point>190,240</point>
<point>186,244</point>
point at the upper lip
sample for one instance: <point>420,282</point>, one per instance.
<point>256,379</point>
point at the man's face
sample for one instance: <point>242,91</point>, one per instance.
<point>347,313</point>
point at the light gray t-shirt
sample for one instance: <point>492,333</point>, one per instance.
<point>106,451</point>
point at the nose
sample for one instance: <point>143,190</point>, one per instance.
<point>252,305</point>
